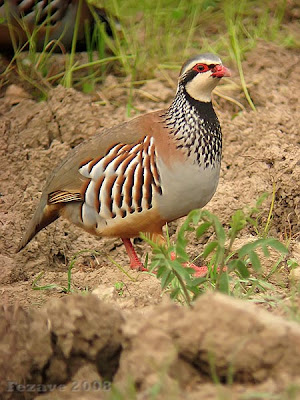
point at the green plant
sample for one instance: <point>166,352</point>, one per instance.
<point>292,263</point>
<point>254,214</point>
<point>222,259</point>
<point>121,269</point>
<point>68,78</point>
<point>234,21</point>
<point>63,289</point>
<point>41,71</point>
<point>119,286</point>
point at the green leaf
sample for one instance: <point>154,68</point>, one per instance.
<point>263,284</point>
<point>199,281</point>
<point>219,256</point>
<point>177,13</point>
<point>194,216</point>
<point>277,245</point>
<point>238,222</point>
<point>181,241</point>
<point>50,286</point>
<point>189,270</point>
<point>219,231</point>
<point>174,293</point>
<point>292,263</point>
<point>166,278</point>
<point>202,228</point>
<point>265,249</point>
<point>155,264</point>
<point>209,248</point>
<point>181,271</point>
<point>158,255</point>
<point>252,221</point>
<point>247,248</point>
<point>224,283</point>
<point>263,243</point>
<point>242,268</point>
<point>160,271</point>
<point>231,265</point>
<point>194,289</point>
<point>254,260</point>
<point>180,251</point>
<point>185,228</point>
<point>261,199</point>
<point>88,87</point>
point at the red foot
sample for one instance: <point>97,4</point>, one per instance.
<point>200,272</point>
<point>138,266</point>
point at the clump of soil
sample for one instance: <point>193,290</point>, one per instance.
<point>83,345</point>
<point>52,345</point>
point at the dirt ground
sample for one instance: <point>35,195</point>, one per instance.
<point>136,337</point>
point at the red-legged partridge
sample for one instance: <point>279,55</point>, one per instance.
<point>139,175</point>
<point>49,20</point>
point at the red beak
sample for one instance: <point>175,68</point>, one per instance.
<point>219,71</point>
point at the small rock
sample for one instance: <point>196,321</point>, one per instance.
<point>15,94</point>
<point>105,293</point>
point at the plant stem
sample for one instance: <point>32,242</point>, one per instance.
<point>182,284</point>
<point>267,227</point>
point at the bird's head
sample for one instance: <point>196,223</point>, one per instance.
<point>201,74</point>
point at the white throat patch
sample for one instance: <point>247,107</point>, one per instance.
<point>201,86</point>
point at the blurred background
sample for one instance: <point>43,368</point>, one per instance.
<point>138,40</point>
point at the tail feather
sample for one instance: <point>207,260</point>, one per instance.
<point>44,215</point>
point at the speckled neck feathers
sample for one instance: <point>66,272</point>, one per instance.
<point>196,129</point>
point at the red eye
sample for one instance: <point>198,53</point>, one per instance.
<point>201,68</point>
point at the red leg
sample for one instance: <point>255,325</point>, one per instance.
<point>135,262</point>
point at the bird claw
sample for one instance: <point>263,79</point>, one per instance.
<point>200,272</point>
<point>137,265</point>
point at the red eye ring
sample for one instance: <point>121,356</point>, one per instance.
<point>201,68</point>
